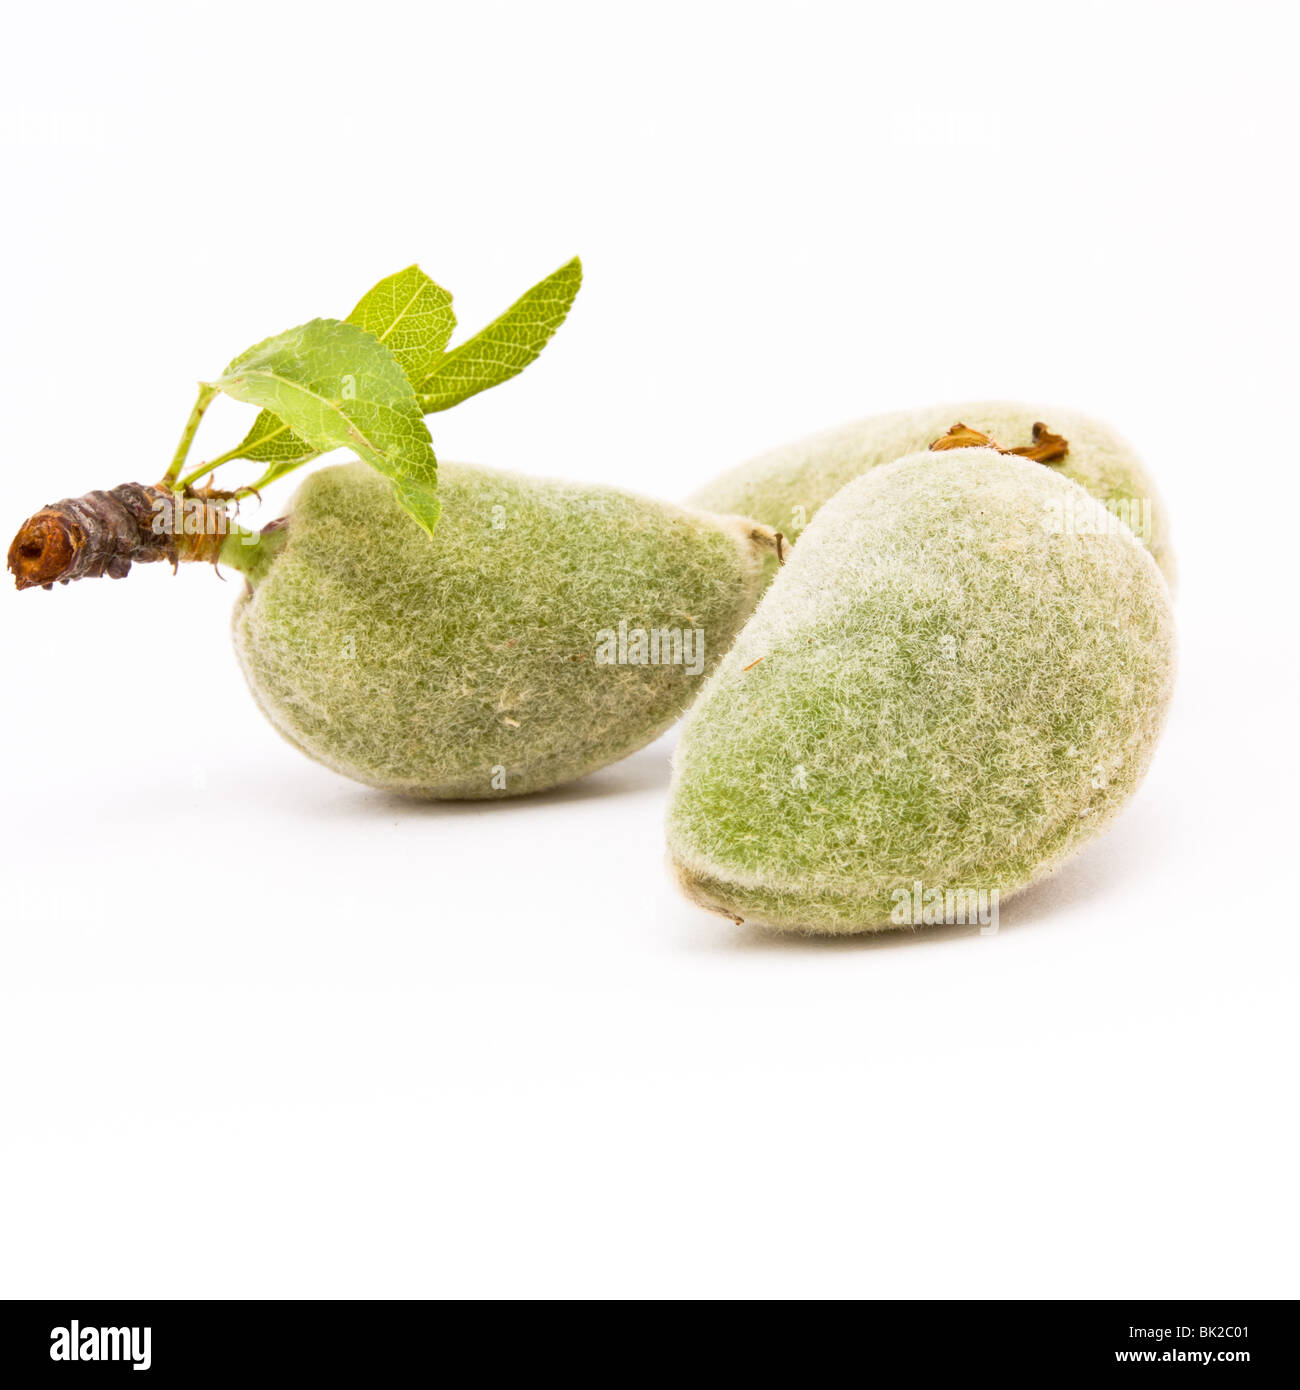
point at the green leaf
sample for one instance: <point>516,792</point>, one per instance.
<point>337,387</point>
<point>272,441</point>
<point>506,346</point>
<point>410,314</point>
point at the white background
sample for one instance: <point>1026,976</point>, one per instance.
<point>265,1032</point>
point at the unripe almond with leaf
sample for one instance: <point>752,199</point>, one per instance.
<point>481,635</point>
<point>546,629</point>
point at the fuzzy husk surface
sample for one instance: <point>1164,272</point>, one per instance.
<point>941,687</point>
<point>787,486</point>
<point>464,665</point>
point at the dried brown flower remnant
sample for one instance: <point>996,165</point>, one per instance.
<point>1046,448</point>
<point>104,533</point>
<point>963,437</point>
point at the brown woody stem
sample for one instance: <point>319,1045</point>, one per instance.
<point>107,532</point>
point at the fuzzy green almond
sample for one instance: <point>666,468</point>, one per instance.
<point>544,630</point>
<point>478,636</point>
<point>958,678</point>
<point>787,486</point>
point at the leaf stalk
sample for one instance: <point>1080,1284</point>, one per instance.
<point>205,398</point>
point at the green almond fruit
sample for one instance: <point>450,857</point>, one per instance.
<point>958,678</point>
<point>786,487</point>
<point>545,629</point>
